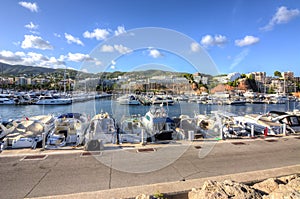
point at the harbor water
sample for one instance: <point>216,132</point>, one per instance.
<point>117,111</point>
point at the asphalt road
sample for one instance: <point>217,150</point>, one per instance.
<point>74,173</point>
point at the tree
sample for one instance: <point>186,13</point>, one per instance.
<point>277,74</point>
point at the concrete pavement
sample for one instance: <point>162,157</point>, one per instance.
<point>71,173</point>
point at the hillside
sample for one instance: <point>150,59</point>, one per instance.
<point>21,69</point>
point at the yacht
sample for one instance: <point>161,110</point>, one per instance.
<point>27,133</point>
<point>128,100</point>
<point>162,100</point>
<point>261,125</point>
<point>51,100</point>
<point>102,127</point>
<point>131,130</point>
<point>5,99</point>
<point>157,124</point>
<point>68,131</point>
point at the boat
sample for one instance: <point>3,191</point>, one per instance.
<point>162,100</point>
<point>250,94</point>
<point>128,100</point>
<point>131,130</point>
<point>68,131</point>
<point>53,100</point>
<point>261,125</point>
<point>157,124</point>
<point>6,99</point>
<point>185,125</point>
<point>100,129</point>
<point>236,102</point>
<point>291,120</point>
<point>27,133</point>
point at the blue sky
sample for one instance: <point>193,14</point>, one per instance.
<point>238,36</point>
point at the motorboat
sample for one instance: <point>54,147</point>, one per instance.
<point>53,100</point>
<point>131,130</point>
<point>157,100</point>
<point>185,125</point>
<point>157,124</point>
<point>261,125</point>
<point>6,99</point>
<point>236,102</point>
<point>128,100</point>
<point>101,127</point>
<point>291,120</point>
<point>27,133</point>
<point>68,131</point>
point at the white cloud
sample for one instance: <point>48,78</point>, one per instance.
<point>239,58</point>
<point>32,41</point>
<point>107,48</point>
<point>57,35</point>
<point>113,62</point>
<point>195,47</point>
<point>78,57</point>
<point>246,41</point>
<point>31,26</point>
<point>72,39</point>
<point>31,58</point>
<point>283,15</point>
<point>154,53</point>
<point>217,40</point>
<point>122,49</point>
<point>10,57</point>
<point>31,6</point>
<point>120,30</point>
<point>117,47</point>
<point>99,34</point>
<point>113,67</point>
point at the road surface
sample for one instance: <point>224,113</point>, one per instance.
<point>73,173</point>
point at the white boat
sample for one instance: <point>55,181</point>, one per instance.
<point>291,120</point>
<point>51,100</point>
<point>102,127</point>
<point>131,130</point>
<point>128,100</point>
<point>261,125</point>
<point>185,125</point>
<point>68,131</point>
<point>236,102</point>
<point>162,100</point>
<point>250,94</point>
<point>157,124</point>
<point>27,133</point>
<point>6,99</point>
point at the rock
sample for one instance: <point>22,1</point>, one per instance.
<point>287,179</point>
<point>295,184</point>
<point>224,190</point>
<point>142,196</point>
<point>283,192</point>
<point>267,186</point>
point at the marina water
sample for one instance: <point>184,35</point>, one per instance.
<point>117,111</point>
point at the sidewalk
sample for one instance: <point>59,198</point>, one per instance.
<point>129,146</point>
<point>181,187</point>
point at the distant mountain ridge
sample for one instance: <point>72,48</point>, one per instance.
<point>19,70</point>
<point>15,70</point>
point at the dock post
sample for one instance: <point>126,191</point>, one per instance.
<point>44,141</point>
<point>142,139</point>
<point>252,131</point>
<point>284,129</point>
